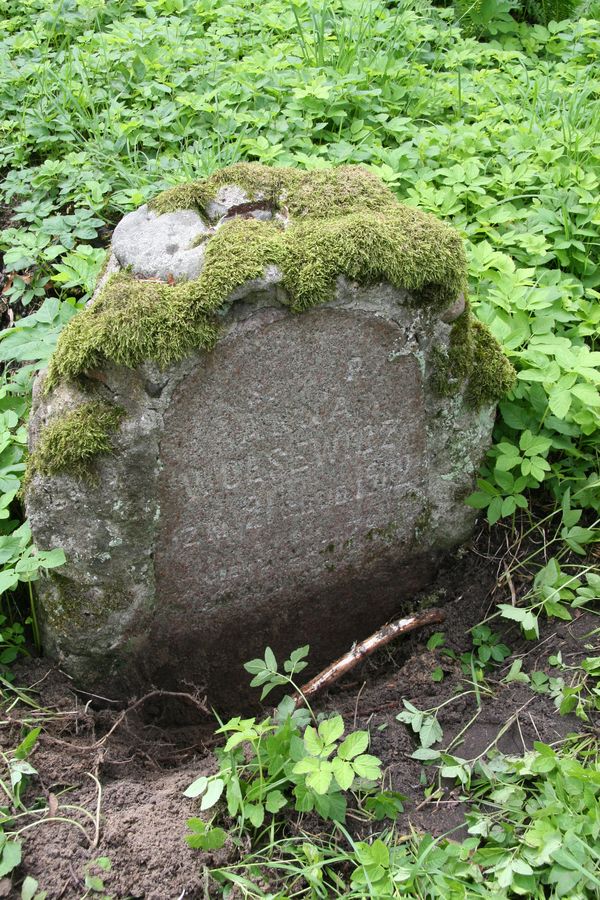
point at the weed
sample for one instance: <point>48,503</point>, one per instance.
<point>283,763</point>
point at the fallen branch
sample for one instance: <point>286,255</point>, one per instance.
<point>363,649</point>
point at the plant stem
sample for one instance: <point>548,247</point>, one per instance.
<point>34,620</point>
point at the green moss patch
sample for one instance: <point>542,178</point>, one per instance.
<point>323,193</point>
<point>71,442</point>
<point>343,221</point>
<point>492,376</point>
<point>474,355</point>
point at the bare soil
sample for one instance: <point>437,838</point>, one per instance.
<point>122,792</point>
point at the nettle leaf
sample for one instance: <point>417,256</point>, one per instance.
<point>355,743</point>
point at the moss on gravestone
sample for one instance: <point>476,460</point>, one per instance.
<point>473,356</point>
<point>71,442</point>
<point>344,222</point>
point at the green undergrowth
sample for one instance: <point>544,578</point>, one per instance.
<point>71,442</point>
<point>462,110</point>
<point>530,826</point>
<point>347,223</point>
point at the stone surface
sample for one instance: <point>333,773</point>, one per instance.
<point>297,484</point>
<point>161,246</point>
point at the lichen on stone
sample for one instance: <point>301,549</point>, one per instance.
<point>71,442</point>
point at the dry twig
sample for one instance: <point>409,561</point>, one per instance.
<point>363,649</point>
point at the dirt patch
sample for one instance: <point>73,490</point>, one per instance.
<point>120,788</point>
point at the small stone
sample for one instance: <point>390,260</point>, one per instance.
<point>226,198</point>
<point>161,246</point>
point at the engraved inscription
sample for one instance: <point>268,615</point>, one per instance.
<point>295,437</point>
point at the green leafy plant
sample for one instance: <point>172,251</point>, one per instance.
<point>19,768</point>
<point>10,853</point>
<point>12,640</point>
<point>93,881</point>
<point>282,763</point>
<point>554,592</point>
<point>490,17</point>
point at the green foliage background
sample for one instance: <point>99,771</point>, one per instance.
<point>106,103</point>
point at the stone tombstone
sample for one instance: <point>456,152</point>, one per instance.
<point>294,439</point>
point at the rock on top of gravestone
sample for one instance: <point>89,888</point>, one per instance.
<point>223,473</point>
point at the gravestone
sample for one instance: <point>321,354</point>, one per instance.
<point>281,467</point>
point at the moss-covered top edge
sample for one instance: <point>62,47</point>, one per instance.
<point>320,193</point>
<point>334,222</point>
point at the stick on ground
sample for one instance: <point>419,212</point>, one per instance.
<point>363,649</point>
